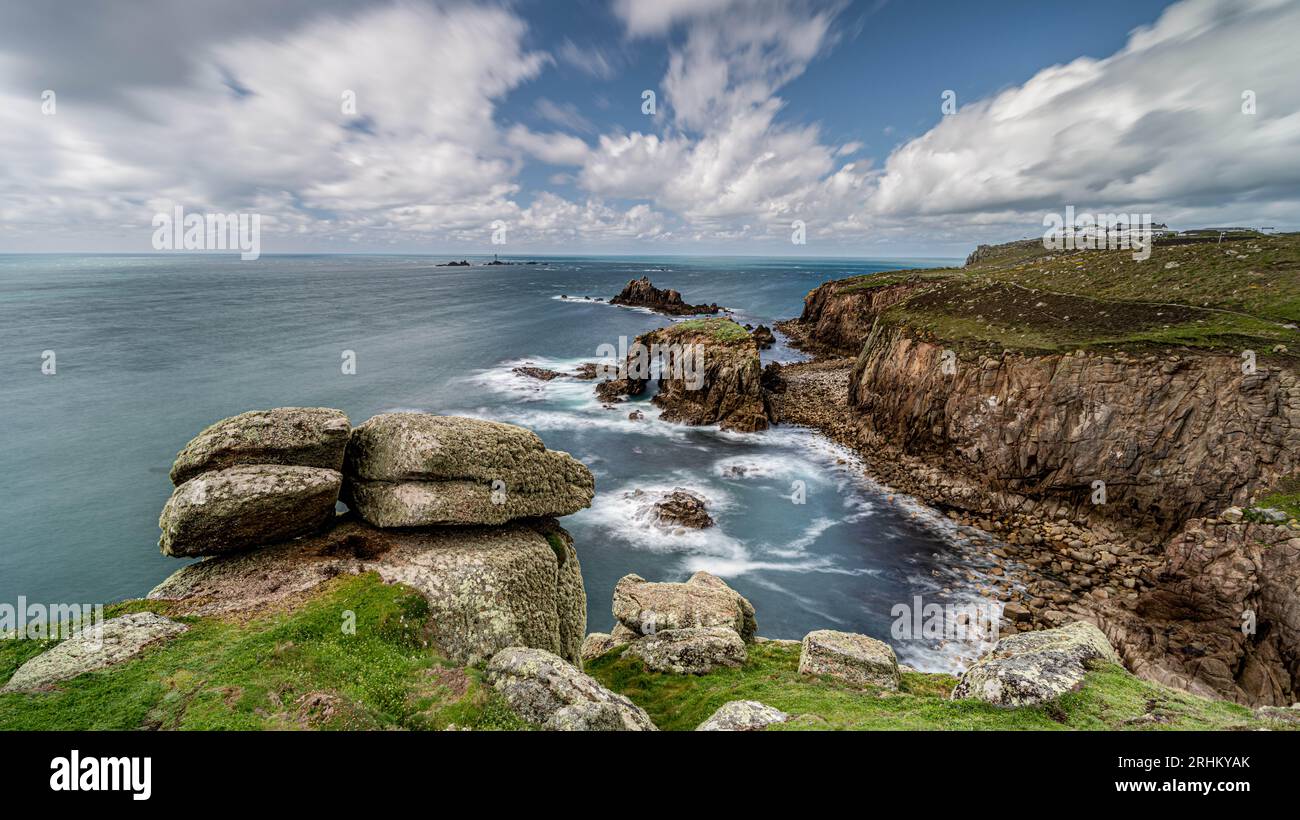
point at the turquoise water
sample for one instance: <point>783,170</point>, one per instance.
<point>151,349</point>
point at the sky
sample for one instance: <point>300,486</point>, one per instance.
<point>870,128</point>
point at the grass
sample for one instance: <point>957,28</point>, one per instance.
<point>302,670</point>
<point>721,329</point>
<point>285,670</point>
<point>1284,496</point>
<point>1109,699</point>
<point>1224,297</point>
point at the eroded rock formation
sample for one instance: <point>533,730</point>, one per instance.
<point>641,293</point>
<point>417,469</point>
<point>1034,667</point>
<point>508,577</point>
<point>850,657</point>
<point>1223,619</point>
<point>549,692</point>
<point>709,373</point>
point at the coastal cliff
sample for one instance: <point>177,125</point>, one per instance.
<point>1087,407</point>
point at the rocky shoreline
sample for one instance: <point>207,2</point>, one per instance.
<point>458,516</point>
<point>1170,569</point>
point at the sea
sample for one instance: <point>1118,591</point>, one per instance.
<point>112,363</point>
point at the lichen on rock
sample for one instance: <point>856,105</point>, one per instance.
<point>849,657</point>
<point>1034,667</point>
<point>94,647</point>
<point>547,691</point>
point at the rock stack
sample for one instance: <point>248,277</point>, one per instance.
<point>727,390</point>
<point>420,470</point>
<point>255,479</point>
<point>691,628</point>
<point>459,509</point>
<point>641,293</point>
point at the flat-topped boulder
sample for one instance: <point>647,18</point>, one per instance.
<point>296,436</point>
<point>696,650</point>
<point>850,657</point>
<point>742,716</point>
<point>92,648</point>
<point>487,587</point>
<point>247,506</point>
<point>705,600</point>
<point>1033,667</point>
<point>642,293</point>
<point>418,469</point>
<point>549,692</point>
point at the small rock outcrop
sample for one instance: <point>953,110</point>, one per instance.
<point>683,508</point>
<point>742,716</point>
<point>763,337</point>
<point>539,373</point>
<point>247,506</point>
<point>641,293</point>
<point>94,647</point>
<point>852,658</point>
<point>694,650</point>
<point>709,372</point>
<point>1034,667</point>
<point>292,436</point>
<point>458,509</point>
<point>705,600</point>
<point>418,469</point>
<point>549,692</point>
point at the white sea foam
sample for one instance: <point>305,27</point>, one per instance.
<point>630,516</point>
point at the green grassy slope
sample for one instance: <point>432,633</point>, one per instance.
<point>1224,297</point>
<point>285,670</point>
<point>1109,699</point>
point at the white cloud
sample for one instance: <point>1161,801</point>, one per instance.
<point>1157,126</point>
<point>555,148</point>
<point>421,157</point>
<point>588,59</point>
<point>565,115</point>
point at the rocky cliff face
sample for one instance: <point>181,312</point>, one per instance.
<point>1144,449</point>
<point>837,316</point>
<point>1172,437</point>
<point>1224,618</point>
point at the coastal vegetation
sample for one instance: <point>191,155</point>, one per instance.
<point>292,666</point>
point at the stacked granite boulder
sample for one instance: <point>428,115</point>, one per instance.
<point>419,470</point>
<point>460,509</point>
<point>686,628</point>
<point>254,479</point>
